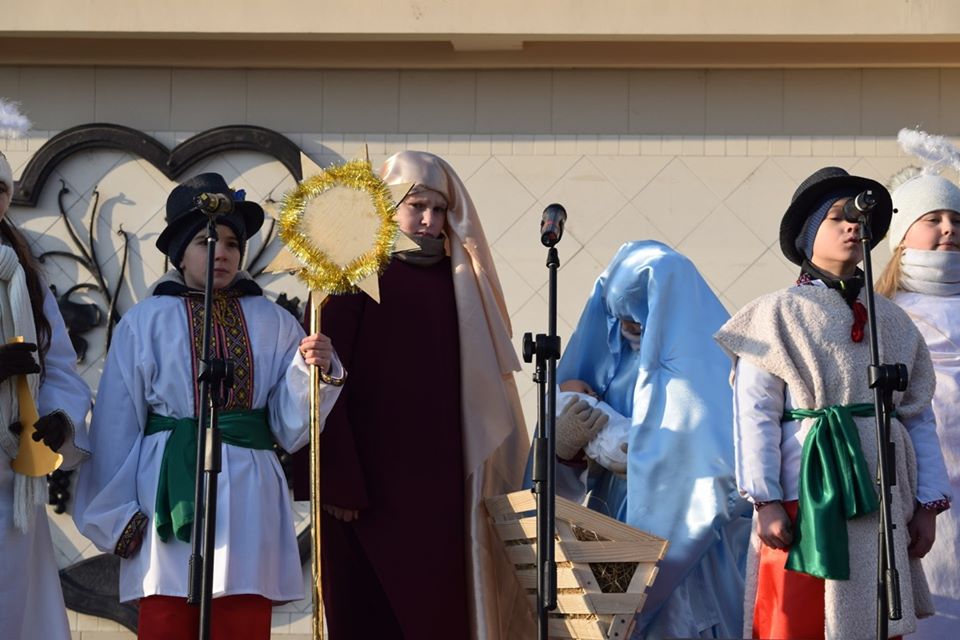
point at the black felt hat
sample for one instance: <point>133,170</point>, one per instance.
<point>183,216</point>
<point>811,193</point>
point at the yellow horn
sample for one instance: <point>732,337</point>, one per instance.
<point>34,459</point>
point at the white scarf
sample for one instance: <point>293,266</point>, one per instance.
<point>935,273</point>
<point>16,319</point>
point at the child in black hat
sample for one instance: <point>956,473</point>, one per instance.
<point>805,435</point>
<point>136,499</point>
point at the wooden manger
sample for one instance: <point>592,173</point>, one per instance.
<point>604,567</point>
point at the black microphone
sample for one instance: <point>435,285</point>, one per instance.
<point>213,203</point>
<point>551,229</point>
<point>862,205</point>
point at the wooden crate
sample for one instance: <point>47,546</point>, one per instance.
<point>604,567</point>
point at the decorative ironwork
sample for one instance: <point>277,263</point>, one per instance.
<point>171,163</point>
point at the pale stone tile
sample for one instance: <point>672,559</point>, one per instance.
<point>566,144</point>
<point>590,101</point>
<point>888,145</point>
<point>667,101</point>
<point>691,145</point>
<point>744,101</point>
<point>138,98</point>
<point>821,101</point>
<point>801,146</point>
<point>516,290</point>
<point>736,145</point>
<point>104,624</point>
<point>107,635</point>
<point>714,146</point>
<point>438,143</point>
<point>761,199</point>
<point>520,246</point>
<point>671,145</point>
<point>821,146</point>
<point>87,622</point>
<point>651,145</point>
<point>544,145</point>
<point>500,199</point>
<point>627,225</point>
<point>676,202</point>
<point>779,145</point>
<point>844,146</point>
<point>501,145</point>
<point>466,166</point>
<point>279,622</point>
<point>197,98</point>
<point>286,100</point>
<point>722,247</point>
<point>629,145</point>
<point>587,145</point>
<point>767,274</point>
<point>589,198</point>
<point>481,145</point>
<point>523,145</point>
<point>437,101</point>
<point>395,143</point>
<point>865,146</point>
<point>578,273</point>
<point>301,623</point>
<point>360,101</point>
<point>538,174</point>
<point>630,175</point>
<point>418,141</point>
<point>723,175</point>
<point>758,146</point>
<point>58,97</point>
<point>459,144</point>
<point>514,102</point>
<point>608,145</point>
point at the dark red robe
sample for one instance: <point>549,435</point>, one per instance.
<point>392,448</point>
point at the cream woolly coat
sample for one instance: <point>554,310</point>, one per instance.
<point>802,335</point>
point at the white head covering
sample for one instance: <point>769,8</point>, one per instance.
<point>917,196</point>
<point>495,439</point>
<point>6,173</point>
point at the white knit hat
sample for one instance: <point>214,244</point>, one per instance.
<point>12,125</point>
<point>917,196</point>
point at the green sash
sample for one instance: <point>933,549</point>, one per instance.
<point>835,486</point>
<point>177,484</point>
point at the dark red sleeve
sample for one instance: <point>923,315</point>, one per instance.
<point>342,481</point>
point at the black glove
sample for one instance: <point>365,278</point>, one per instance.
<point>51,428</point>
<point>16,358</point>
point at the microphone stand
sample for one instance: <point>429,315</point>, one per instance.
<point>884,380</point>
<point>546,348</point>
<point>215,378</point>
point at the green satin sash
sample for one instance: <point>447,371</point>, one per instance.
<point>835,486</point>
<point>178,468</point>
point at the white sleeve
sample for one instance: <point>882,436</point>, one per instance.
<point>933,483</point>
<point>106,495</point>
<point>62,388</point>
<point>607,448</point>
<point>758,402</point>
<point>289,399</point>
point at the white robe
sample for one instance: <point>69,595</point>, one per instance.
<point>148,369</point>
<point>31,602</point>
<point>938,319</point>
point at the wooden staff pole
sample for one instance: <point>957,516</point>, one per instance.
<point>316,303</point>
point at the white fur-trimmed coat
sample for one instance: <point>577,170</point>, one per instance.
<point>802,335</point>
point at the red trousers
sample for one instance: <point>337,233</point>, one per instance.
<point>789,604</point>
<point>241,617</point>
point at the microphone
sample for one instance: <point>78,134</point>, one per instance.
<point>213,203</point>
<point>862,205</point>
<point>551,228</point>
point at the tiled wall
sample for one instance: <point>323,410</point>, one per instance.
<point>703,160</point>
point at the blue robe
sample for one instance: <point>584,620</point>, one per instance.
<point>680,482</point>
